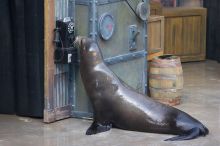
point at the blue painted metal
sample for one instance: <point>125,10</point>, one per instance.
<point>145,40</point>
<point>133,32</point>
<point>104,31</point>
<point>124,57</point>
<point>99,2</point>
<point>93,19</point>
<point>116,51</point>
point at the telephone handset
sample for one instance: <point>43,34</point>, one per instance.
<point>64,37</point>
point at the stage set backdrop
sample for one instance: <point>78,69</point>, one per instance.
<point>213,29</point>
<point>22,51</point>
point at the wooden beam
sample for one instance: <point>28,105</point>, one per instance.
<point>49,66</point>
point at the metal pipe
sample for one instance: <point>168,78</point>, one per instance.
<point>93,32</point>
<point>125,57</point>
<point>62,86</point>
<point>146,52</point>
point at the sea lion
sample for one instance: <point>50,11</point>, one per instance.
<point>115,104</point>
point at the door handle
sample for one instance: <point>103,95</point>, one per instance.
<point>133,33</point>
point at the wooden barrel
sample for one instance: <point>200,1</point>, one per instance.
<point>166,79</point>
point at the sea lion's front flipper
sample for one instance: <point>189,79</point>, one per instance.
<point>191,134</point>
<point>98,128</point>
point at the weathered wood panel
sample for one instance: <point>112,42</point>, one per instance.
<point>155,36</point>
<point>185,33</point>
<point>49,26</point>
<point>166,79</point>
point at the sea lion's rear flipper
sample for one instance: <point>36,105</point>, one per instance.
<point>98,128</point>
<point>191,134</point>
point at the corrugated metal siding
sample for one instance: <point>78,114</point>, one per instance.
<point>61,94</point>
<point>63,8</point>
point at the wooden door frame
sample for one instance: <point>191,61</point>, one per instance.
<point>51,113</point>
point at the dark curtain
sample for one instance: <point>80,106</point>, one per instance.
<point>213,29</point>
<point>7,90</point>
<point>22,57</point>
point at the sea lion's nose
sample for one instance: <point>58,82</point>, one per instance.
<point>80,42</point>
<point>79,38</point>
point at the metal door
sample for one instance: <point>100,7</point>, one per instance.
<point>128,64</point>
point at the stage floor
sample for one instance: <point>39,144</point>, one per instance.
<point>201,99</point>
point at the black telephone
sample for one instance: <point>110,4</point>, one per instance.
<point>64,37</point>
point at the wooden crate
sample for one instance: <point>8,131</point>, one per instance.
<point>185,32</point>
<point>155,36</point>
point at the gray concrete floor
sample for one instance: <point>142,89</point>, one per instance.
<point>201,99</point>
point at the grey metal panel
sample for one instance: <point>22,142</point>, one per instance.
<point>61,80</point>
<point>82,2</point>
<point>64,8</point>
<point>61,8</point>
<point>82,102</point>
<point>124,17</point>
<point>82,20</point>
<point>116,50</point>
<point>81,106</point>
<point>104,2</point>
<point>131,72</point>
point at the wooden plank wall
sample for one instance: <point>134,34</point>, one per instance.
<point>155,36</point>
<point>185,33</point>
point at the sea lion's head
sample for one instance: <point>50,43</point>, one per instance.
<point>89,49</point>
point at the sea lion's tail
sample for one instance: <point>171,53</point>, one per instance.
<point>195,132</point>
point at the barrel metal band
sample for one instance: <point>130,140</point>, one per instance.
<point>173,90</point>
<point>165,77</point>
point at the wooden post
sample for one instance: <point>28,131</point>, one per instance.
<point>49,66</point>
<point>52,112</point>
